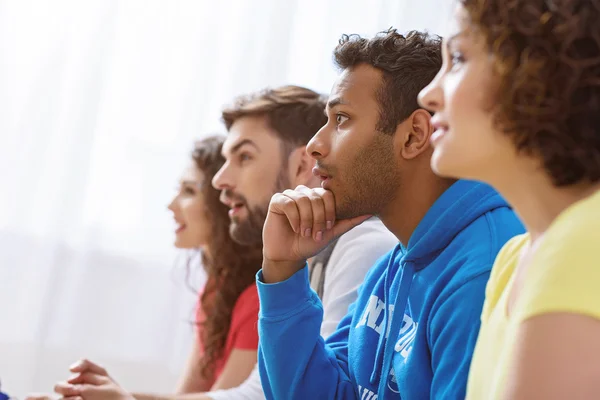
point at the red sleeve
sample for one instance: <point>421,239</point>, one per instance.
<point>244,320</point>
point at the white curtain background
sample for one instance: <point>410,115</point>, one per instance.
<point>100,101</point>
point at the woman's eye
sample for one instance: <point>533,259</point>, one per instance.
<point>456,59</point>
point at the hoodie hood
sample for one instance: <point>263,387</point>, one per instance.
<point>460,205</point>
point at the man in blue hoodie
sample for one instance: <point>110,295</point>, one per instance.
<point>412,330</point>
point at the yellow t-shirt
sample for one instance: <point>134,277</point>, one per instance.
<point>563,275</point>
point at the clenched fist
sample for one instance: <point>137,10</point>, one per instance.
<point>300,223</point>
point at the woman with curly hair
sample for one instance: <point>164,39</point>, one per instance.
<point>225,351</point>
<point>227,342</point>
<point>517,105</point>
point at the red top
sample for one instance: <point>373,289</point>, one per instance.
<point>243,331</point>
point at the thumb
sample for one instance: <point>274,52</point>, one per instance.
<point>344,225</point>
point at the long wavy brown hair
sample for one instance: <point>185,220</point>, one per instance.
<point>230,267</point>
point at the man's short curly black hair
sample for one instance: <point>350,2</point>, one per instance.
<point>408,62</point>
<point>547,64</point>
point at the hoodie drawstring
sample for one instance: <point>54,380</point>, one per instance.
<point>389,275</point>
<point>400,303</point>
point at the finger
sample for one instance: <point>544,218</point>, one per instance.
<point>329,203</point>
<point>107,391</point>
<point>304,209</point>
<point>87,377</point>
<point>344,225</point>
<point>318,212</point>
<point>88,366</point>
<point>67,390</point>
<point>76,378</point>
<point>38,396</point>
<point>78,391</point>
<point>282,204</point>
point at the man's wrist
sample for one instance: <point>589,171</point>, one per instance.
<point>279,271</point>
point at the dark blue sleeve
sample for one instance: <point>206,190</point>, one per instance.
<point>294,361</point>
<point>453,330</point>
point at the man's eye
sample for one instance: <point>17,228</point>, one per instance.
<point>340,118</point>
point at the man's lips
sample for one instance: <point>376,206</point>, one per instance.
<point>230,201</point>
<point>324,176</point>
<point>235,205</point>
<point>235,210</point>
<point>320,174</point>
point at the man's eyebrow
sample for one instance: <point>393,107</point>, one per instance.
<point>244,142</point>
<point>337,101</point>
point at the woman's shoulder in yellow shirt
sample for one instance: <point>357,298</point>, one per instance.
<point>504,266</point>
<point>564,274</point>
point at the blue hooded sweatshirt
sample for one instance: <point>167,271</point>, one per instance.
<point>438,282</point>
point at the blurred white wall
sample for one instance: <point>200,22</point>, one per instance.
<point>100,101</point>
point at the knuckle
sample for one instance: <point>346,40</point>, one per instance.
<point>286,201</point>
<point>327,194</point>
<point>303,200</point>
<point>316,200</point>
<point>314,196</point>
<point>320,215</point>
<point>307,219</point>
<point>306,215</point>
<point>278,198</point>
<point>87,389</point>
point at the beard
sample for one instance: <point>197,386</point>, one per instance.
<point>369,182</point>
<point>248,231</point>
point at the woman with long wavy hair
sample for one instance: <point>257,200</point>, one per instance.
<point>228,306</point>
<point>225,351</point>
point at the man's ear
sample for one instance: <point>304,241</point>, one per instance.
<point>300,166</point>
<point>412,136</point>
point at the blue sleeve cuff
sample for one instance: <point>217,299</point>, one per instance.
<point>279,298</point>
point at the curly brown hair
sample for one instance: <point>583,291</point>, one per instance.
<point>295,113</point>
<point>230,267</point>
<point>408,62</point>
<point>547,64</point>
